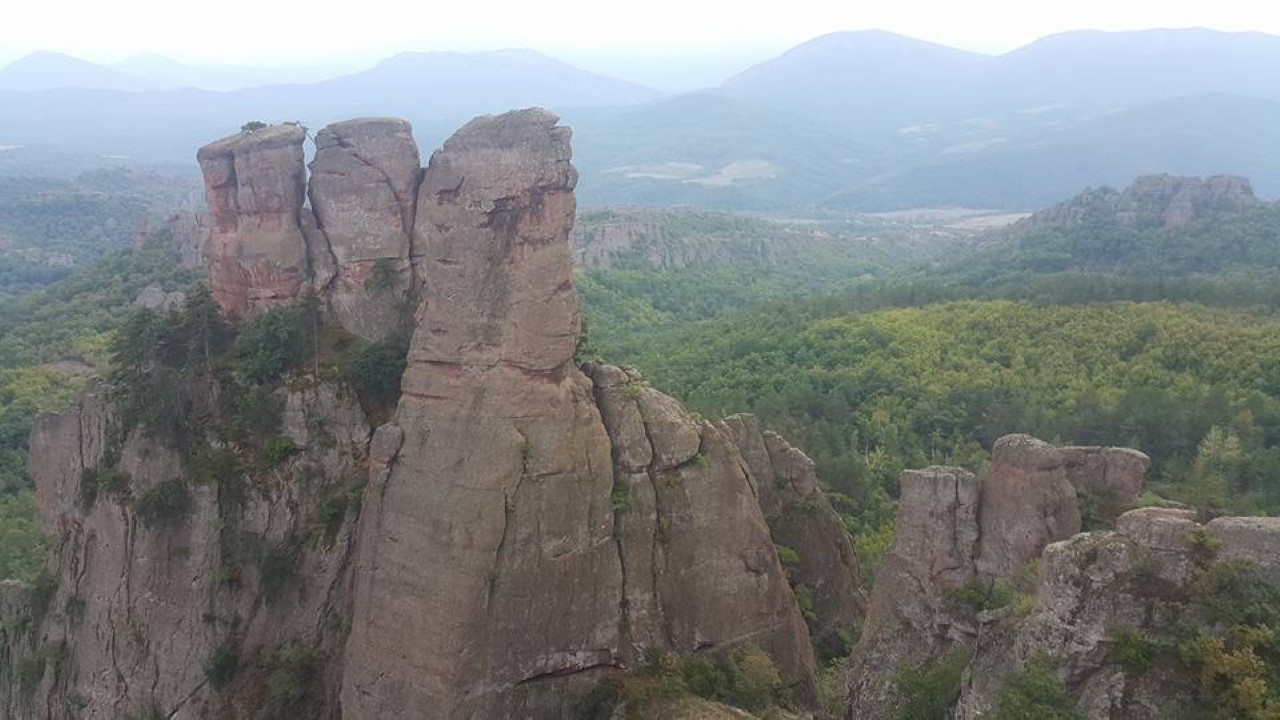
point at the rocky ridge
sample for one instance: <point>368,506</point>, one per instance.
<point>1152,201</point>
<point>425,568</point>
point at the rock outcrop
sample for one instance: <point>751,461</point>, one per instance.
<point>501,505</point>
<point>1139,581</point>
<point>144,602</point>
<point>521,529</point>
<point>255,185</point>
<point>1153,201</point>
<point>959,533</point>
<point>800,518</point>
<point>363,188</point>
<point>351,244</point>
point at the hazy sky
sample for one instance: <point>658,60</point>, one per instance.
<point>266,31</point>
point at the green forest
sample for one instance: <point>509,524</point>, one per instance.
<point>874,355</point>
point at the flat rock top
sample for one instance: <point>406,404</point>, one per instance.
<point>275,136</point>
<point>517,130</point>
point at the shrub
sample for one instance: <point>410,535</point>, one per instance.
<point>1130,650</point>
<point>221,667</point>
<point>983,596</point>
<point>211,465</point>
<point>165,505</point>
<point>40,596</point>
<point>621,498</point>
<point>114,483</point>
<point>278,449</point>
<point>88,488</point>
<point>258,412</point>
<point>275,341</point>
<point>929,690</point>
<point>1036,693</point>
<point>787,556</point>
<point>382,277</point>
<point>74,609</point>
<point>1234,592</point>
<point>276,567</point>
<point>30,672</point>
<point>289,683</point>
<point>375,369</point>
<point>1204,546</point>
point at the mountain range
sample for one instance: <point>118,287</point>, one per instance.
<point>849,121</point>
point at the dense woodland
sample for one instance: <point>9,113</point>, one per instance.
<point>50,228</point>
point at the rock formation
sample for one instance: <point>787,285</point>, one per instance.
<point>363,188</point>
<point>520,530</point>
<point>1138,579</point>
<point>255,185</point>
<point>956,532</point>
<point>1153,201</point>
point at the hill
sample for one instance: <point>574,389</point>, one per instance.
<point>1158,227</point>
<point>46,70</point>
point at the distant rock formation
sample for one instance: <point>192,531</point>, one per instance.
<point>1152,201</point>
<point>520,530</point>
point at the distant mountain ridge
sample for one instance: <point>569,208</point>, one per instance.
<point>882,72</point>
<point>847,122</point>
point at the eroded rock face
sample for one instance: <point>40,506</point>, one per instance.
<point>520,488</point>
<point>1135,579</point>
<point>255,185</point>
<point>143,604</point>
<point>699,568</point>
<point>801,518</point>
<point>955,532</point>
<point>525,530</point>
<point>1027,503</point>
<point>911,617</point>
<point>363,188</point>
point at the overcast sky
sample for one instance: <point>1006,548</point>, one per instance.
<point>267,32</point>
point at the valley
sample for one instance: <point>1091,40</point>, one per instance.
<point>879,380</point>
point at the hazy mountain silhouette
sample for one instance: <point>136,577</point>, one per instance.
<point>44,70</point>
<point>857,120</point>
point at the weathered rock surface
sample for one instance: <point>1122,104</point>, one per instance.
<point>142,605</point>
<point>255,184</point>
<point>801,518</point>
<point>1111,477</point>
<point>512,487</point>
<point>911,617</point>
<point>1136,579</point>
<point>363,188</point>
<point>153,297</point>
<point>1027,503</point>
<point>957,532</point>
<point>525,529</point>
<point>699,569</point>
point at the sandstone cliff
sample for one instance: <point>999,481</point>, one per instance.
<point>520,529</point>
